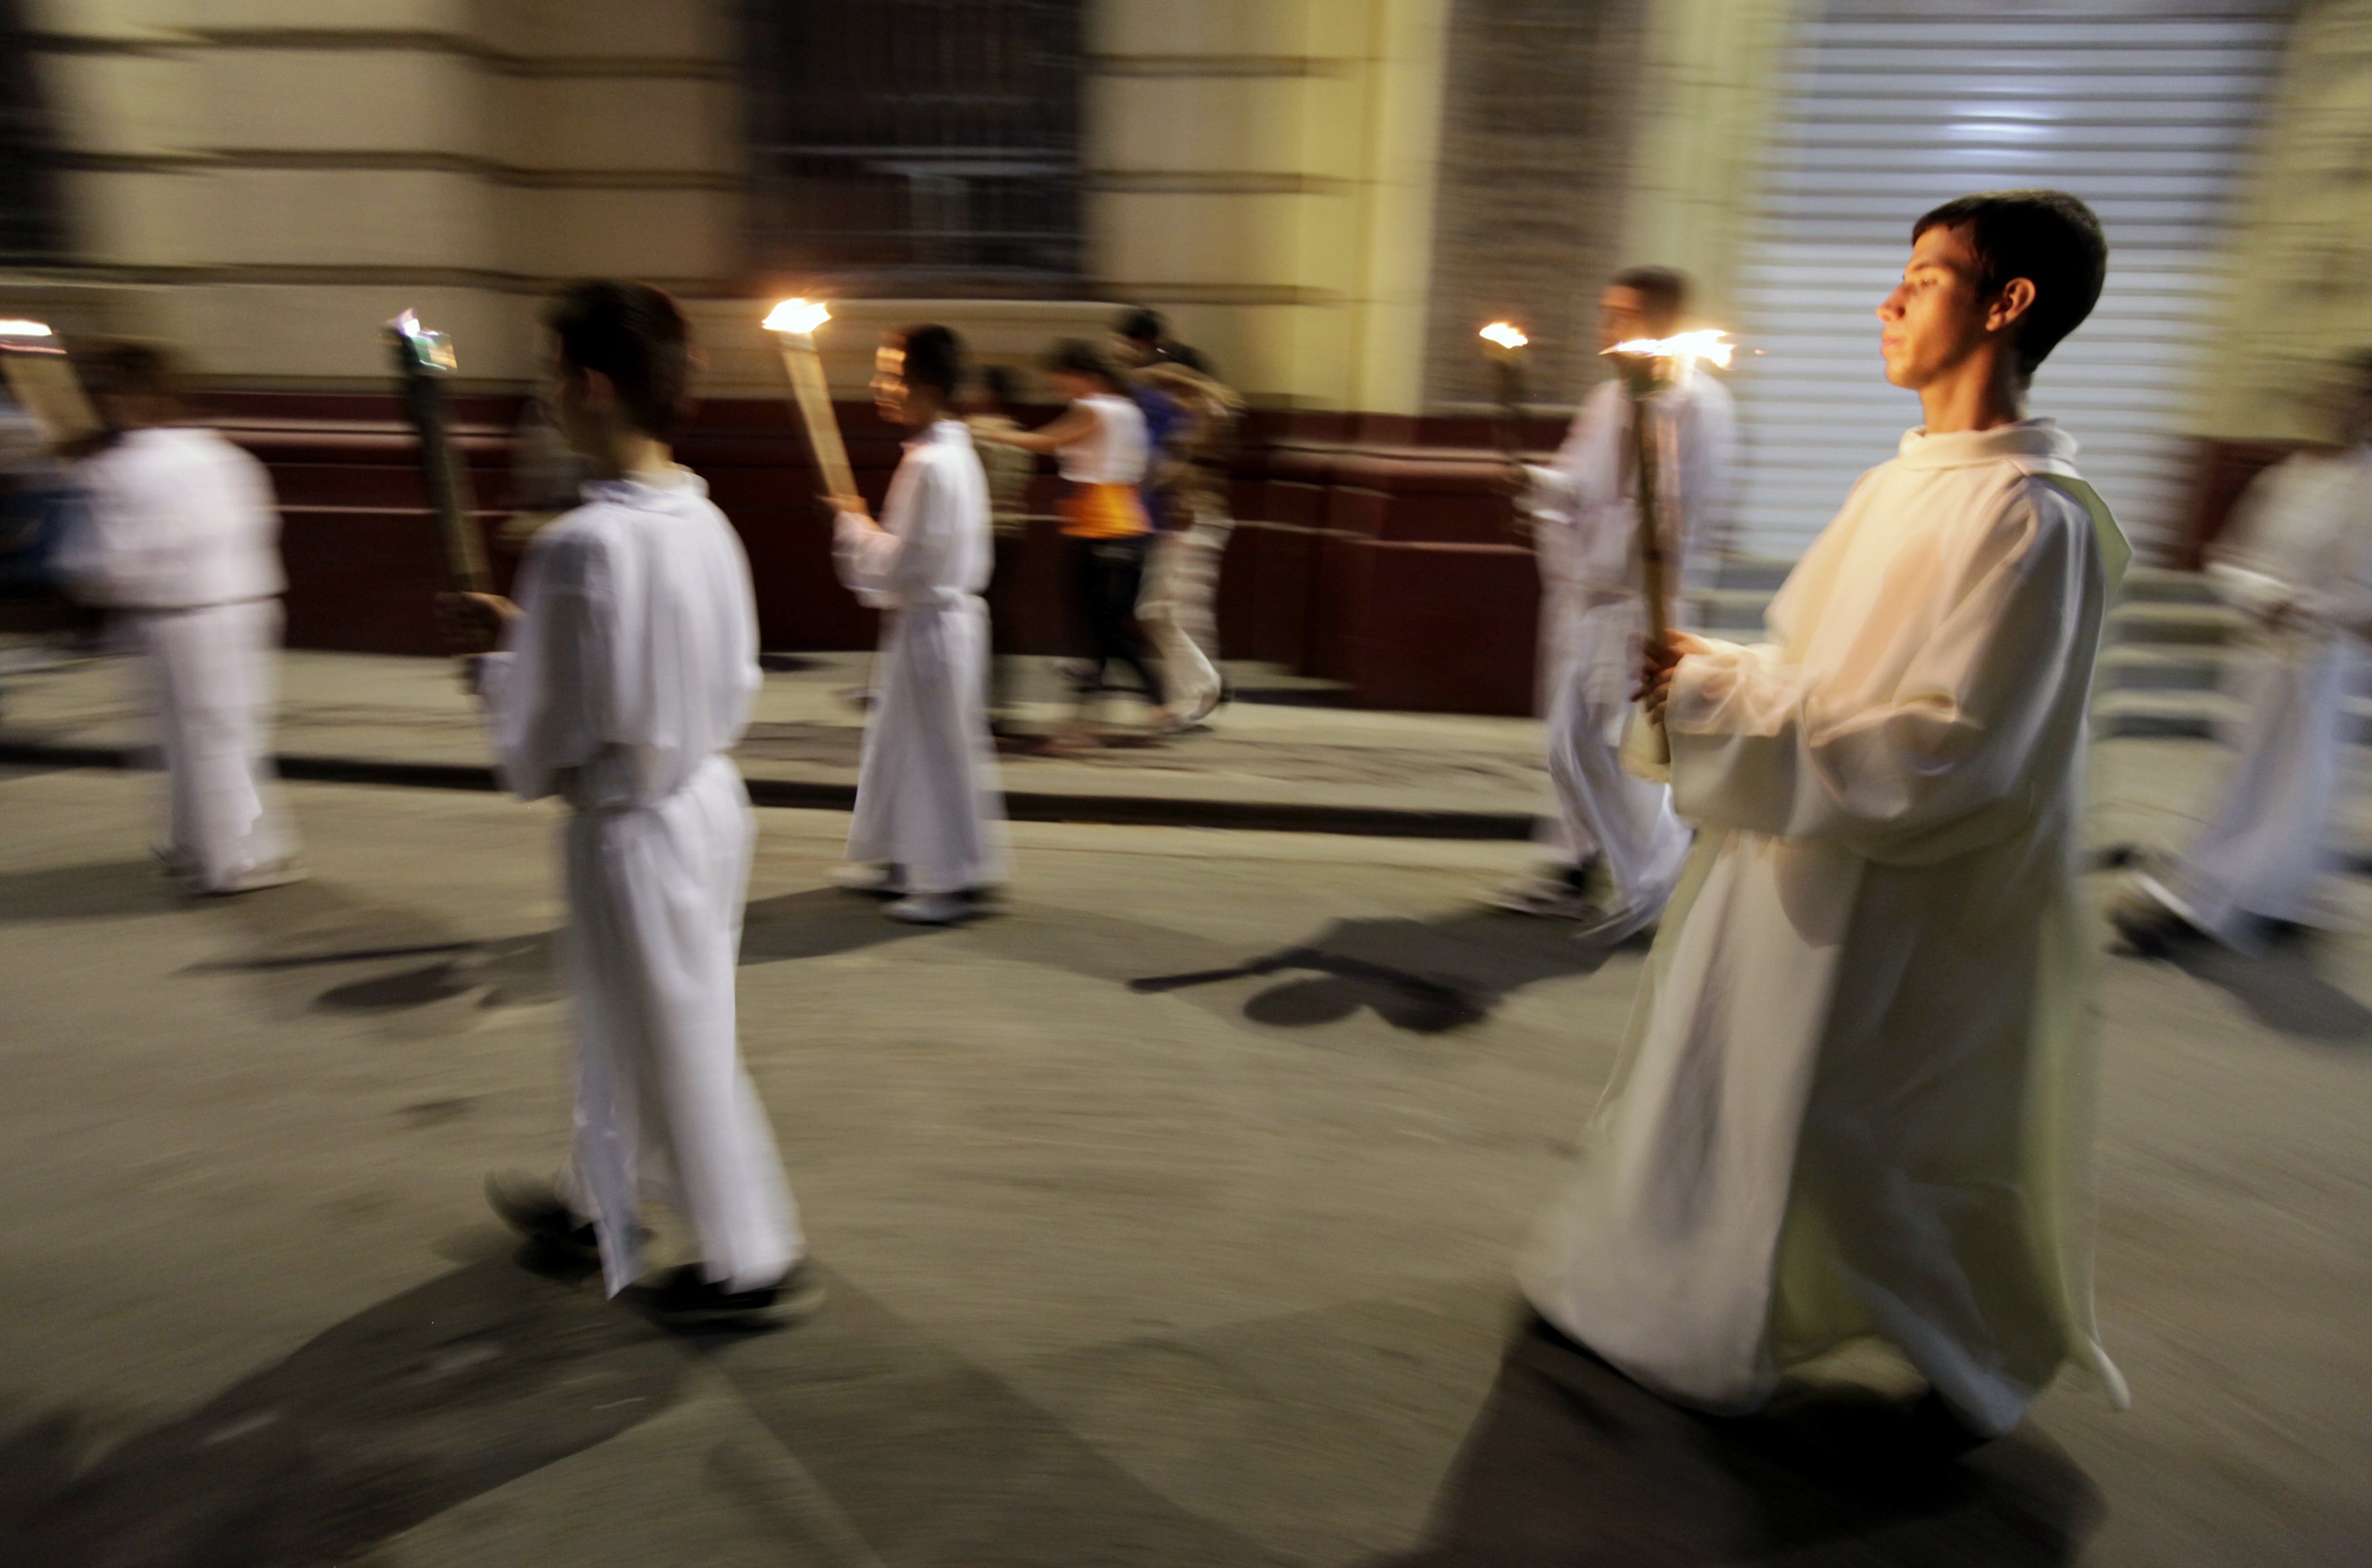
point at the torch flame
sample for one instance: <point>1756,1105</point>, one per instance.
<point>14,327</point>
<point>1504,334</point>
<point>800,315</point>
<point>1711,345</point>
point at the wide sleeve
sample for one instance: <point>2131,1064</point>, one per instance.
<point>1554,491</point>
<point>1761,743</point>
<point>906,557</point>
<point>1703,466</point>
<point>544,691</point>
<point>111,552</point>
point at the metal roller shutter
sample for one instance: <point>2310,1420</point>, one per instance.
<point>2146,112</point>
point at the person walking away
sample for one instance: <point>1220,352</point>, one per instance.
<point>179,535</point>
<point>1610,826</point>
<point>929,820</point>
<point>1099,443</point>
<point>1178,608</point>
<point>994,404</point>
<point>2297,562</point>
<point>1854,1101</point>
<point>625,674</point>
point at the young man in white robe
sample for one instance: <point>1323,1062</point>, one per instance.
<point>1612,827</point>
<point>1854,1105</point>
<point>180,537</point>
<point>625,673</point>
<point>2297,562</point>
<point>929,822</point>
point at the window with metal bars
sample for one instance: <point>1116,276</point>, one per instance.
<point>916,145</point>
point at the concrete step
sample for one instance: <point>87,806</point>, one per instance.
<point>2165,585</point>
<point>1731,609</point>
<point>2192,715</point>
<point>2144,667</point>
<point>2184,625</point>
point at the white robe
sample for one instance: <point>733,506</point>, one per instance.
<point>2302,541</point>
<point>1855,1100</point>
<point>926,789</point>
<point>623,687</point>
<point>182,536</point>
<point>1586,531</point>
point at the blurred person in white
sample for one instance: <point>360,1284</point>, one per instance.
<point>993,402</point>
<point>1179,606</point>
<point>1610,825</point>
<point>625,673</point>
<point>929,822</point>
<point>1854,1110</point>
<point>2297,561</point>
<point>179,535</point>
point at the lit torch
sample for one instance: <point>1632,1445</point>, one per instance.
<point>1646,364</point>
<point>42,380</point>
<point>794,323</point>
<point>1507,344</point>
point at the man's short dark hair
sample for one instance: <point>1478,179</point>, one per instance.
<point>635,335</point>
<point>933,359</point>
<point>1663,290</point>
<point>119,367</point>
<point>1143,326</point>
<point>1003,389</point>
<point>2048,238</point>
<point>1074,357</point>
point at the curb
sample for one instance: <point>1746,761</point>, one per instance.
<point>1020,805</point>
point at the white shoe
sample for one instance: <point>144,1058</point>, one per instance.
<point>255,878</point>
<point>883,879</point>
<point>1603,927</point>
<point>932,908</point>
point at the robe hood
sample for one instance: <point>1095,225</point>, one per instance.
<point>2027,438</point>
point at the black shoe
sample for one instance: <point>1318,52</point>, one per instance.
<point>684,1297</point>
<point>534,1208</point>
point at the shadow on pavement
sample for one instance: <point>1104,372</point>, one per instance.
<point>109,889</point>
<point>815,925</point>
<point>447,1391</point>
<point>1570,1463</point>
<point>2280,989</point>
<point>1423,976</point>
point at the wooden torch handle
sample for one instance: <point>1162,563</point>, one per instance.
<point>805,367</point>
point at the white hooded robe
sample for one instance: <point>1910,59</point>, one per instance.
<point>624,685</point>
<point>1855,1100</point>
<point>926,790</point>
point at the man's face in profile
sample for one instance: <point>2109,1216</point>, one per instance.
<point>1935,316</point>
<point>1623,316</point>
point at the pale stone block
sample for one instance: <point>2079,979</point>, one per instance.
<point>120,104</point>
<point>605,123</point>
<point>350,218</point>
<point>660,234</point>
<point>1212,27</point>
<point>623,30</point>
<point>1252,241</point>
<point>327,100</point>
<point>1198,123</point>
<point>297,333</point>
<point>136,218</point>
<point>457,18</point>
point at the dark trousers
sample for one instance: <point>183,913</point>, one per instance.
<point>1004,590</point>
<point>1110,572</point>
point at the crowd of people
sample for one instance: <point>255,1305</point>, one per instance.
<point>1853,1104</point>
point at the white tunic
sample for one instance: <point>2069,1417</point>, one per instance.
<point>1586,532</point>
<point>1863,1029</point>
<point>625,681</point>
<point>182,534</point>
<point>2300,544</point>
<point>1115,452</point>
<point>926,790</point>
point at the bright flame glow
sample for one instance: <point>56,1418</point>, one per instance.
<point>797,316</point>
<point>23,329</point>
<point>1504,334</point>
<point>1711,346</point>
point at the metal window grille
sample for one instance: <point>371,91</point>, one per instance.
<point>917,145</point>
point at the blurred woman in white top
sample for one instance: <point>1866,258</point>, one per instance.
<point>181,538</point>
<point>1099,445</point>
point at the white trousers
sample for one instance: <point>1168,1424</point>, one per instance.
<point>927,792</point>
<point>1177,608</point>
<point>212,671</point>
<point>2262,854</point>
<point>1589,651</point>
<point>665,1111</point>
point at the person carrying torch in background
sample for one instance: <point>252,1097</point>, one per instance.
<point>928,821</point>
<point>625,674</point>
<point>1618,847</point>
<point>1855,1100</point>
<point>180,534</point>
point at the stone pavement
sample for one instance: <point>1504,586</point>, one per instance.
<point>1167,1218</point>
<point>1278,757</point>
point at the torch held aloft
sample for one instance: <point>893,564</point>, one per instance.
<point>793,324</point>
